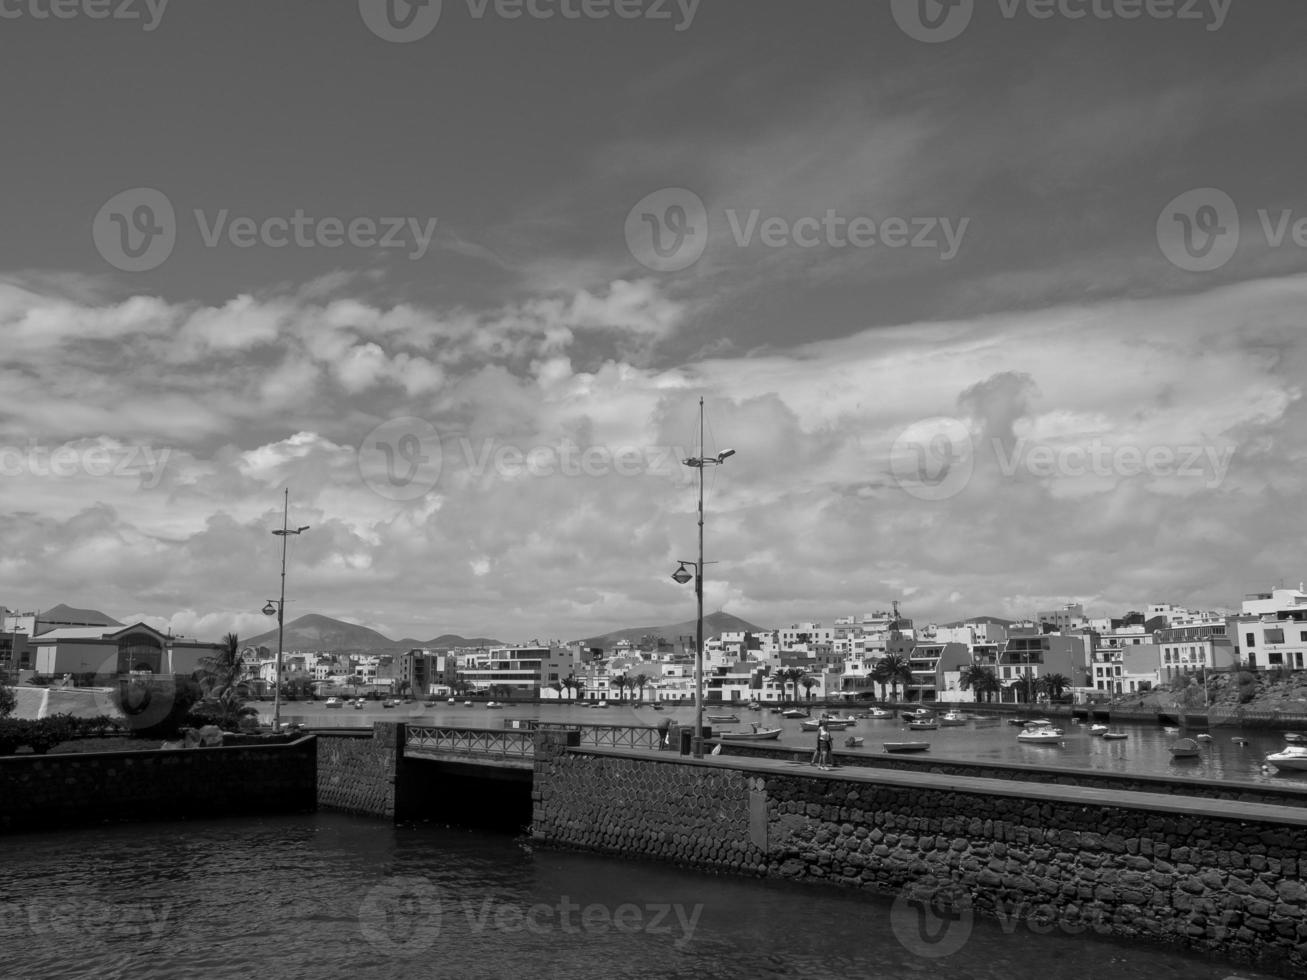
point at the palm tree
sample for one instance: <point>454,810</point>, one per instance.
<point>1055,685</point>
<point>787,675</point>
<point>223,699</point>
<point>640,680</point>
<point>808,684</point>
<point>557,688</point>
<point>979,679</point>
<point>891,669</point>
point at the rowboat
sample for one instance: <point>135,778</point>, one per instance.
<point>853,741</point>
<point>906,746</point>
<point>923,725</point>
<point>757,735</point>
<point>1295,737</point>
<point>723,718</point>
<point>877,713</point>
<point>1114,736</point>
<point>831,723</point>
<point>1097,729</point>
<point>1184,748</point>
<point>794,713</point>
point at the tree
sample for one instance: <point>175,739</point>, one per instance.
<point>220,677</point>
<point>892,669</point>
<point>981,680</point>
<point>787,675</point>
<point>640,680</point>
<point>557,688</point>
<point>808,684</point>
<point>8,700</point>
<point>1055,685</point>
<point>403,688</point>
<point>570,684</point>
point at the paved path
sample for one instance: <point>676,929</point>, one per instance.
<point>1191,806</point>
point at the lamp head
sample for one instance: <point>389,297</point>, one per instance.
<point>681,575</point>
<point>721,456</point>
<point>270,609</point>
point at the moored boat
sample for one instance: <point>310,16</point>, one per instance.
<point>1295,737</point>
<point>811,725</point>
<point>906,746</point>
<point>1290,757</point>
<point>722,719</point>
<point>493,704</point>
<point>1184,748</point>
<point>853,741</point>
<point>794,713</point>
<point>333,703</point>
<point>1098,729</point>
<point>877,713</point>
<point>757,735</point>
<point>923,725</point>
<point>1040,734</point>
<point>953,718</point>
<point>1114,736</point>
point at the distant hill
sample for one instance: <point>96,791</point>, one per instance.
<point>70,616</point>
<point>714,623</point>
<point>315,632</point>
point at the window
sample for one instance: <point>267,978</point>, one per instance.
<point>1275,635</point>
<point>1275,659</point>
<point>1250,639</point>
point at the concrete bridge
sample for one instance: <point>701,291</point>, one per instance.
<point>513,747</point>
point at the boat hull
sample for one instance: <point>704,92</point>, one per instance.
<point>762,736</point>
<point>906,746</point>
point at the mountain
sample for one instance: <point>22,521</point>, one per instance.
<point>315,632</point>
<point>62,615</point>
<point>714,623</point>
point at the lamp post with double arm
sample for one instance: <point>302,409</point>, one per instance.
<point>278,606</point>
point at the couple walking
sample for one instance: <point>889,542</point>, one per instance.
<point>821,756</point>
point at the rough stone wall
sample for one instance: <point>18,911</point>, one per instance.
<point>42,792</point>
<point>357,775</point>
<point>1231,888</point>
<point>697,815</point>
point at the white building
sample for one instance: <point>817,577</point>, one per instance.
<point>1272,629</point>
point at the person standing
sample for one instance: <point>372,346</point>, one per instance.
<point>823,746</point>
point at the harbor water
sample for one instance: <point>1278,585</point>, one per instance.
<point>1231,754</point>
<point>331,897</point>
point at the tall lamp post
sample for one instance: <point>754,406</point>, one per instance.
<point>681,575</point>
<point>277,607</point>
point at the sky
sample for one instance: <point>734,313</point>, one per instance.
<point>1000,304</point>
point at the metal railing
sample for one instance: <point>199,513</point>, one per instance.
<point>497,744</point>
<point>608,736</point>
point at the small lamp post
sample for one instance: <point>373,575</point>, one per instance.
<point>277,607</point>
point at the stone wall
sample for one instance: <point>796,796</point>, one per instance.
<point>358,774</point>
<point>1219,884</point>
<point>42,792</point>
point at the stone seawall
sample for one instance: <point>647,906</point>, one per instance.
<point>1284,795</point>
<point>42,792</point>
<point>1215,877</point>
<point>357,774</point>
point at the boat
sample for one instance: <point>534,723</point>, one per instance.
<point>723,719</point>
<point>1114,736</point>
<point>1203,737</point>
<point>1184,748</point>
<point>923,725</point>
<point>755,706</point>
<point>1290,757</point>
<point>913,714</point>
<point>837,720</point>
<point>451,701</point>
<point>358,704</point>
<point>388,703</point>
<point>333,702</point>
<point>853,741</point>
<point>1295,737</point>
<point>493,704</point>
<point>1239,740</point>
<point>757,735</point>
<point>877,713</point>
<point>602,704</point>
<point>953,718</point>
<point>1170,729</point>
<point>1098,729</point>
<point>1040,734</point>
<point>467,704</point>
<point>794,713</point>
<point>906,746</point>
<point>833,724</point>
<point>657,707</point>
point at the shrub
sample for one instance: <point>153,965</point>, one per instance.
<point>8,701</point>
<point>156,709</point>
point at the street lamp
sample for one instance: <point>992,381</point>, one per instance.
<point>682,575</point>
<point>277,607</point>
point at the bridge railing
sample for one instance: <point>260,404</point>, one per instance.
<point>608,736</point>
<point>499,744</point>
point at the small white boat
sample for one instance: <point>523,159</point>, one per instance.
<point>1037,734</point>
<point>467,704</point>
<point>831,723</point>
<point>1170,729</point>
<point>1184,748</point>
<point>1239,740</point>
<point>853,741</point>
<point>1290,757</point>
<point>333,702</point>
<point>1097,729</point>
<point>837,720</point>
<point>388,704</point>
<point>953,718</point>
<point>877,713</point>
<point>493,704</point>
<point>602,704</point>
<point>794,713</point>
<point>923,725</point>
<point>757,735</point>
<point>755,706</point>
<point>451,701</point>
<point>1203,737</point>
<point>1295,737</point>
<point>722,719</point>
<point>1114,736</point>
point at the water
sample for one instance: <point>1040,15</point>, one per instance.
<point>331,897</point>
<point>1145,752</point>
